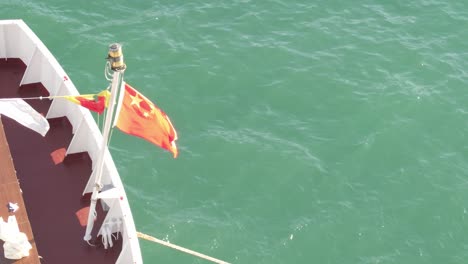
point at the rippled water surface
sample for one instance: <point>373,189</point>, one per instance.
<point>326,132</point>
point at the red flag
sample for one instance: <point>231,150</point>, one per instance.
<point>89,101</point>
<point>139,117</point>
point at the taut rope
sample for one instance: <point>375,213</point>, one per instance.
<point>185,250</point>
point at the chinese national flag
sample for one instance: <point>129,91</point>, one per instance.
<point>139,117</point>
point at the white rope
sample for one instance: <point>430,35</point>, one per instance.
<point>43,97</point>
<point>107,73</point>
<point>29,98</point>
<point>185,250</point>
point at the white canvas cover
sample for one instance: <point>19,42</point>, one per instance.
<point>16,244</point>
<point>23,113</point>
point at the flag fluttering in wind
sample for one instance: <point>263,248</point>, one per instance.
<point>94,102</point>
<point>20,111</point>
<point>138,116</point>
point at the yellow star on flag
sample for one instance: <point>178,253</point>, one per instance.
<point>136,100</point>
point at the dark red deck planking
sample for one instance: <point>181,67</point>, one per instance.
<point>51,191</point>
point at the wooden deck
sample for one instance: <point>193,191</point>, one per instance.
<point>51,187</point>
<point>10,191</point>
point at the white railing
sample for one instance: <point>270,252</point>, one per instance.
<point>18,41</point>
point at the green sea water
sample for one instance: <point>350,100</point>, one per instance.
<point>309,131</point>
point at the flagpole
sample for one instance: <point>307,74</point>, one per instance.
<point>118,67</point>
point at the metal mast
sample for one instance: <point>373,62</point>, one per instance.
<point>117,65</point>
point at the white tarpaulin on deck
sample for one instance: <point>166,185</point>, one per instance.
<point>20,111</point>
<point>16,244</point>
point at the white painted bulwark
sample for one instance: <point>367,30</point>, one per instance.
<point>18,41</point>
<point>3,53</point>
